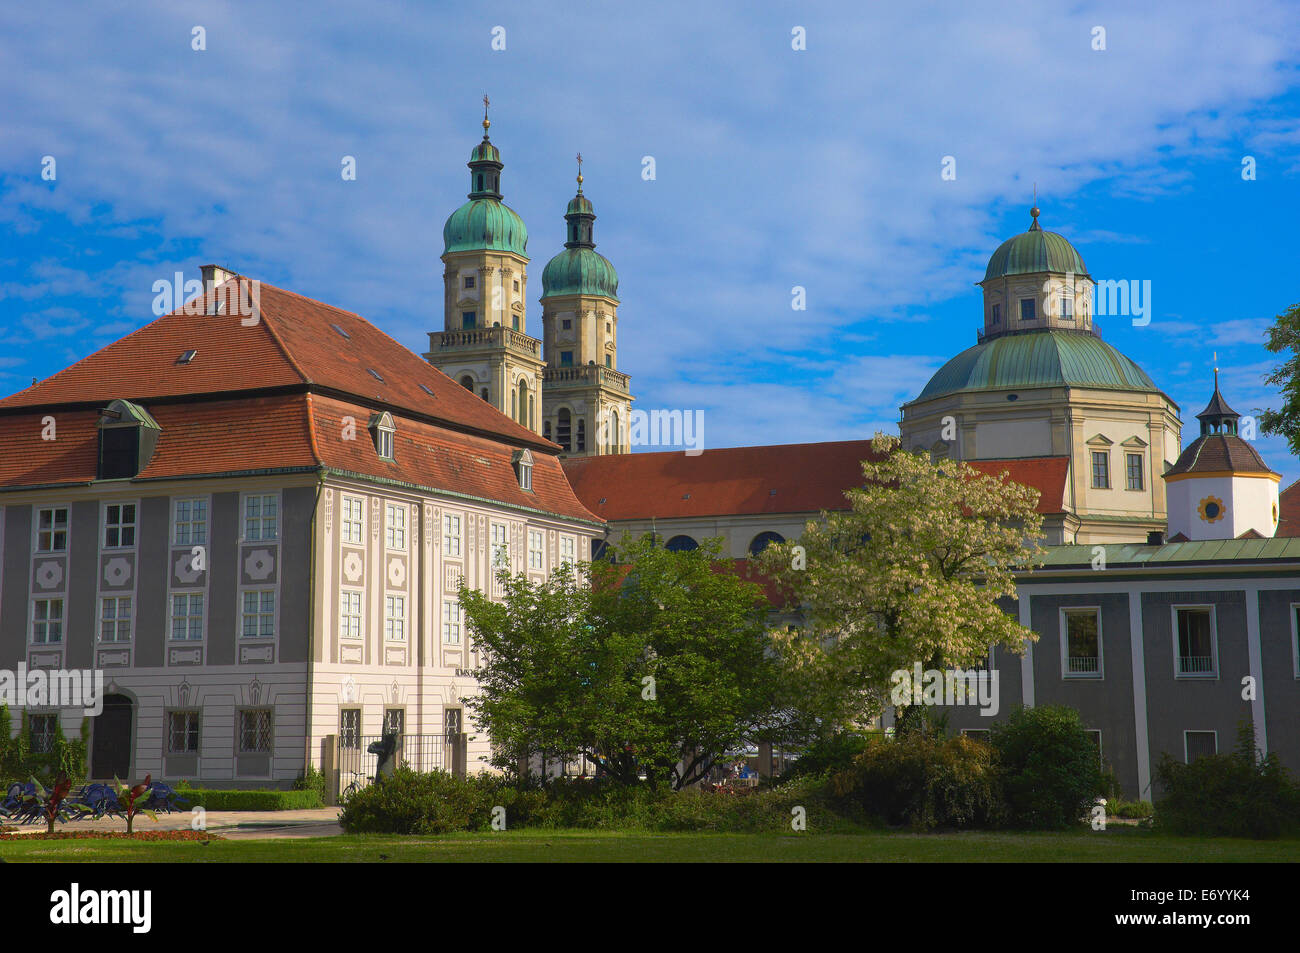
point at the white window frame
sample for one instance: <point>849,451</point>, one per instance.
<point>451,538</point>
<point>498,548</point>
<point>571,557</point>
<point>1065,644</point>
<point>453,621</point>
<point>352,613</point>
<point>1213,673</point>
<point>395,526</point>
<point>52,531</point>
<point>261,519</point>
<point>62,621</point>
<point>188,595</point>
<point>1092,470</point>
<point>260,613</point>
<point>1198,731</point>
<point>536,553</point>
<point>115,619</point>
<point>394,619</point>
<point>121,525</point>
<point>193,526</point>
<point>352,522</point>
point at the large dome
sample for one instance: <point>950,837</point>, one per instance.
<point>485,224</point>
<point>1041,358</point>
<point>1034,251</point>
<point>579,271</point>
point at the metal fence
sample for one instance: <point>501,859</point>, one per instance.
<point>356,765</point>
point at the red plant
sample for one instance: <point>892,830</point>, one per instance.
<point>51,804</point>
<point>129,796</point>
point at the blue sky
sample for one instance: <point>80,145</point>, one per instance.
<point>774,168</point>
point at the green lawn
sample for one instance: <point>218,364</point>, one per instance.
<point>1123,845</point>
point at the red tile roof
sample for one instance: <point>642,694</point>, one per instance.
<point>789,478</point>
<point>1289,511</point>
<point>292,344</point>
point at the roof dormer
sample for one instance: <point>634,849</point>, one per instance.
<point>127,438</point>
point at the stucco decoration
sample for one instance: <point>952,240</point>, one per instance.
<point>117,572</point>
<point>259,564</point>
<point>353,567</point>
<point>49,575</point>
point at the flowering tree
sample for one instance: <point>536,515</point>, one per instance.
<point>918,569</point>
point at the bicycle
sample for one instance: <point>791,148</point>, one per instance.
<point>356,784</point>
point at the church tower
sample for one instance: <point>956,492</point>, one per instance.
<point>1220,488</point>
<point>484,345</point>
<point>587,400</point>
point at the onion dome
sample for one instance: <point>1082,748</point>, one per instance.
<point>485,223</point>
<point>579,269</point>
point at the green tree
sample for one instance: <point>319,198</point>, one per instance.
<point>1284,335</point>
<point>653,664</point>
<point>917,569</point>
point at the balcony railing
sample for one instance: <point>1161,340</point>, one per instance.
<point>1082,665</point>
<point>586,374</point>
<point>476,338</point>
<point>1196,665</point>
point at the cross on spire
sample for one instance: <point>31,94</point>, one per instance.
<point>486,102</point>
<point>579,171</point>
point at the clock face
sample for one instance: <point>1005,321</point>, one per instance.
<point>1211,509</point>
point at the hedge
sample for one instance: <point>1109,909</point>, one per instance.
<point>221,800</point>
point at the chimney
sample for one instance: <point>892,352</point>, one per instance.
<point>213,277</point>
<point>1155,538</point>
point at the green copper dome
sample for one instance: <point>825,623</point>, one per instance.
<point>579,269</point>
<point>1042,358</point>
<point>1035,251</point>
<point>485,223</point>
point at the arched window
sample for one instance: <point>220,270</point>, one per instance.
<point>613,432</point>
<point>483,393</point>
<point>582,434</point>
<point>467,382</point>
<point>531,419</point>
<point>563,428</point>
<point>480,181</point>
<point>681,544</point>
<point>763,540</point>
<point>521,413</point>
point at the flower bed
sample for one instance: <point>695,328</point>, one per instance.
<point>116,835</point>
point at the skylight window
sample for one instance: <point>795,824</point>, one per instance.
<point>187,357</point>
<point>341,331</point>
<point>425,388</point>
<point>375,374</point>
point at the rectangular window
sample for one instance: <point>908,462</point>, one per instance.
<point>1067,308</point>
<point>119,525</point>
<point>353,522</point>
<point>534,549</point>
<point>191,517</point>
<point>384,443</point>
<point>451,621</point>
<point>566,324</point>
<point>1195,642</point>
<point>568,550</point>
<point>395,526</point>
<point>1133,467</point>
<point>350,728</point>
<point>500,548</point>
<point>469,281</point>
<point>255,731</point>
<point>395,618</point>
<point>41,732</point>
<point>450,535</point>
<point>997,314</point>
<point>187,616</point>
<point>394,721</point>
<point>183,732</point>
<point>115,619</point>
<point>468,319</point>
<point>350,614</point>
<point>1027,309</point>
<point>259,614</point>
<point>261,517</point>
<point>1197,744</point>
<point>52,530</point>
<point>609,360</point>
<point>1082,643</point>
<point>566,358</point>
<point>1100,470</point>
<point>47,621</point>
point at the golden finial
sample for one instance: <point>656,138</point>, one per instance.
<point>1035,211</point>
<point>579,171</point>
<point>486,102</point>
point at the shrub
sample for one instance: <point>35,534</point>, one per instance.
<point>835,753</point>
<point>1051,776</point>
<point>270,800</point>
<point>311,780</point>
<point>411,803</point>
<point>1228,795</point>
<point>1133,810</point>
<point>924,782</point>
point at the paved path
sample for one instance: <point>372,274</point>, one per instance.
<point>235,825</point>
